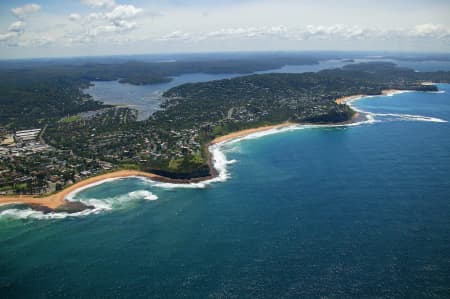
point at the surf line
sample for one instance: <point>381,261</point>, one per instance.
<point>396,116</point>
<point>217,149</point>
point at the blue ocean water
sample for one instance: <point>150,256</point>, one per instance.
<point>341,212</point>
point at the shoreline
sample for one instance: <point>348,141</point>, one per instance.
<point>384,92</point>
<point>246,132</point>
<point>58,200</point>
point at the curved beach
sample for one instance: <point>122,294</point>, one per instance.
<point>384,92</point>
<point>243,133</point>
<point>57,200</point>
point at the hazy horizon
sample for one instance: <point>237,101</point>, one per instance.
<point>210,55</point>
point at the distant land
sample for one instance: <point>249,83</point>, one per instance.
<point>68,146</point>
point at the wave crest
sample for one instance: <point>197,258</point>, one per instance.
<point>219,160</point>
<point>99,205</point>
<point>411,117</point>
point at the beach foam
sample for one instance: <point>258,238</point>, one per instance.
<point>29,213</point>
<point>220,162</point>
<point>372,117</point>
<point>395,92</point>
<point>99,204</point>
<point>439,91</point>
<point>105,204</point>
<point>411,117</point>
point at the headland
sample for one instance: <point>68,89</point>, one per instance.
<point>58,201</point>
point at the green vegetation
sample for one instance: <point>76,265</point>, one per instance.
<point>173,141</point>
<point>36,94</point>
<point>70,119</point>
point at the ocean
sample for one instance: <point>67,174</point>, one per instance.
<point>359,211</point>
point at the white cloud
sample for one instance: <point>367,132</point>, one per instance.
<point>74,17</point>
<point>18,26</point>
<point>8,36</point>
<point>103,26</point>
<point>176,35</point>
<point>36,40</point>
<point>249,32</point>
<point>338,32</point>
<point>123,12</point>
<point>23,11</point>
<point>431,31</point>
<point>15,30</point>
<point>96,25</point>
<point>99,3</point>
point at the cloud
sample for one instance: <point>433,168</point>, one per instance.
<point>121,12</point>
<point>249,32</point>
<point>104,25</point>
<point>431,31</point>
<point>18,26</point>
<point>15,30</point>
<point>8,36</point>
<point>337,32</point>
<point>120,19</point>
<point>23,11</point>
<point>99,3</point>
<point>74,17</point>
<point>110,22</point>
<point>176,35</point>
<point>35,40</point>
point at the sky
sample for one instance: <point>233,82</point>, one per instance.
<point>68,28</point>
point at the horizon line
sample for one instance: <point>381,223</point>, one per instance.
<point>385,52</point>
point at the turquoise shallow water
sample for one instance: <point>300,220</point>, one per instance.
<point>355,212</point>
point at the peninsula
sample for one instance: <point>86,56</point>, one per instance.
<point>76,150</point>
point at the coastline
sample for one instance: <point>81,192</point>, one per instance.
<point>58,200</point>
<point>384,92</point>
<point>243,133</point>
<point>54,202</point>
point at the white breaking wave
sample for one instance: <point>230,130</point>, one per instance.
<point>100,205</point>
<point>142,194</point>
<point>395,92</point>
<point>371,117</point>
<point>411,117</point>
<point>220,163</point>
<point>33,214</point>
<point>72,194</point>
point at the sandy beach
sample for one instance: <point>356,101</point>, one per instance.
<point>57,200</point>
<point>385,92</point>
<point>344,100</point>
<point>243,133</point>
